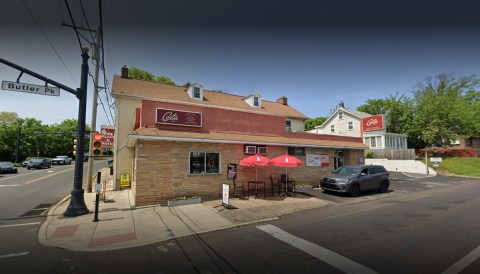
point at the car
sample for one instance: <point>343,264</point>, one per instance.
<point>8,167</point>
<point>61,160</point>
<point>354,179</point>
<point>39,163</point>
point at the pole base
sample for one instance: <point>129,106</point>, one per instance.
<point>77,205</point>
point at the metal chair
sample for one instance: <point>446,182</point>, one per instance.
<point>275,184</point>
<point>290,184</point>
<point>238,190</point>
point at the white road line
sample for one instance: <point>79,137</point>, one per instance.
<point>14,255</point>
<point>10,185</point>
<point>36,223</point>
<point>463,262</point>
<point>338,261</point>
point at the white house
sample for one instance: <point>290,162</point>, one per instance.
<point>347,122</point>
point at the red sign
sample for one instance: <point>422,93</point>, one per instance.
<point>108,136</point>
<point>178,117</point>
<point>374,122</point>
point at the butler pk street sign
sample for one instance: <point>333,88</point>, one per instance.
<point>30,88</point>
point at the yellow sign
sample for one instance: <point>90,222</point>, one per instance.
<point>124,180</point>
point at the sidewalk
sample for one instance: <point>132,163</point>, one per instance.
<point>122,225</point>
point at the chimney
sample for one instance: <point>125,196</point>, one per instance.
<point>124,72</point>
<point>283,100</point>
<point>341,104</point>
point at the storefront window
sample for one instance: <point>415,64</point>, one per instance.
<point>296,151</point>
<point>203,162</point>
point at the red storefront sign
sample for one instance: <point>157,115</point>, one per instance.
<point>178,117</point>
<point>374,122</point>
<point>108,136</point>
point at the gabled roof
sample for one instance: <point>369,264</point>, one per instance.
<point>354,113</point>
<point>156,91</point>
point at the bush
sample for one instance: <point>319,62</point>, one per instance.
<point>369,155</point>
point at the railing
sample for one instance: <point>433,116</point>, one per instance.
<point>393,154</point>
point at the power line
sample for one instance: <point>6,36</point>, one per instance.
<point>51,45</point>
<point>86,20</point>
<point>73,23</point>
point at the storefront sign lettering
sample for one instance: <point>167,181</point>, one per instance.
<point>178,117</point>
<point>373,123</point>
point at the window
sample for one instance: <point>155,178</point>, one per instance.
<point>340,115</point>
<point>332,128</point>
<point>250,149</point>
<point>255,101</point>
<point>262,150</point>
<point>253,149</point>
<point>288,125</point>
<point>350,125</point>
<point>204,163</point>
<point>196,92</point>
<point>296,151</point>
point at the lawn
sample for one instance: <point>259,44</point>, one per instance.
<point>461,166</point>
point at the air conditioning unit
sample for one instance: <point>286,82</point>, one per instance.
<point>250,149</point>
<point>262,150</point>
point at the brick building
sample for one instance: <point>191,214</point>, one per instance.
<point>177,141</point>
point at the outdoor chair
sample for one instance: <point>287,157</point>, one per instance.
<point>275,184</point>
<point>238,190</point>
<point>290,183</point>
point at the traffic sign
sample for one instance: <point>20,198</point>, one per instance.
<point>30,88</point>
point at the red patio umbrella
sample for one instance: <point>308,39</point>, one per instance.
<point>286,161</point>
<point>255,160</point>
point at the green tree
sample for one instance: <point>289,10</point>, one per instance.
<point>136,73</point>
<point>446,109</point>
<point>312,123</point>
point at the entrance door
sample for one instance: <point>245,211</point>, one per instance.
<point>338,161</point>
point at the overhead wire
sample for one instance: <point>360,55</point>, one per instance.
<point>51,45</point>
<point>74,26</point>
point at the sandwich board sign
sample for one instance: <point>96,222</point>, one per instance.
<point>30,88</point>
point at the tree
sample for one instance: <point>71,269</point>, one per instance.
<point>446,109</point>
<point>136,73</point>
<point>312,123</point>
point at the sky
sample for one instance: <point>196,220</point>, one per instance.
<point>315,53</point>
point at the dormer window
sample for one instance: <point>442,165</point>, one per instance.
<point>254,100</point>
<point>195,91</point>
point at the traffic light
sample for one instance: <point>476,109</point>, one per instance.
<point>97,146</point>
<point>74,147</point>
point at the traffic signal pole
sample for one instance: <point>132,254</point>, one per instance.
<point>77,203</point>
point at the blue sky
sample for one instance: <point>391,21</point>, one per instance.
<point>340,51</point>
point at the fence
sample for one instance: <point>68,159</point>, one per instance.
<point>392,154</point>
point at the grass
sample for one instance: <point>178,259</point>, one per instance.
<point>461,166</point>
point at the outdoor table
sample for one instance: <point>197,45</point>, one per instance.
<point>256,183</point>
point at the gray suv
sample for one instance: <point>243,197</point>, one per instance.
<point>356,178</point>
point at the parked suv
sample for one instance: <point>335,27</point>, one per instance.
<point>356,178</point>
<point>39,163</point>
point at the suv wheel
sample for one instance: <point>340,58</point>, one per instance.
<point>354,190</point>
<point>383,187</point>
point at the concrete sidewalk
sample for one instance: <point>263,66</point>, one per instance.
<point>122,225</point>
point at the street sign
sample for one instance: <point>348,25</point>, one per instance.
<point>30,88</point>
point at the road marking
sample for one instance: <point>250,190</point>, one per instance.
<point>36,223</point>
<point>10,185</point>
<point>463,262</point>
<point>336,260</point>
<point>47,176</point>
<point>14,255</point>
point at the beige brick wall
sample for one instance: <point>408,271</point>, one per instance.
<point>161,170</point>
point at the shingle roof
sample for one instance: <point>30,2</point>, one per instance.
<point>217,137</point>
<point>157,91</point>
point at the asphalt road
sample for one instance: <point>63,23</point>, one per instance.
<point>423,225</point>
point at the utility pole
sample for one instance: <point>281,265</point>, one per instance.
<point>96,57</point>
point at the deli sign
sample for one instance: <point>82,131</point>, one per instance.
<point>374,122</point>
<point>108,136</point>
<point>178,117</point>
